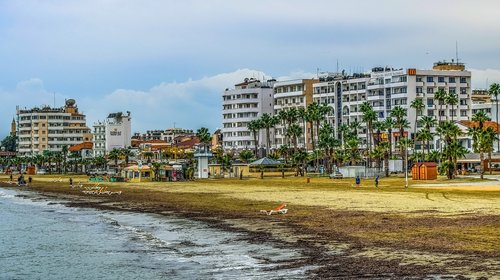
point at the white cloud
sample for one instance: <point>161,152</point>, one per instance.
<point>483,78</point>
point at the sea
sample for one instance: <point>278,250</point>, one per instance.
<point>43,239</point>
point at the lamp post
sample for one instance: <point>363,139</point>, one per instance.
<point>406,172</point>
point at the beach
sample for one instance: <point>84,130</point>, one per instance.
<point>443,228</point>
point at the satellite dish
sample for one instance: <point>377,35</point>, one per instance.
<point>70,102</point>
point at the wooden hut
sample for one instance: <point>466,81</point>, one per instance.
<point>424,171</point>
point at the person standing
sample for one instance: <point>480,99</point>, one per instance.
<point>376,181</point>
<point>358,181</point>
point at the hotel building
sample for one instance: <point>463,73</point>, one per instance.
<point>248,101</point>
<point>288,94</point>
<point>49,129</point>
<point>385,88</point>
<point>114,132</point>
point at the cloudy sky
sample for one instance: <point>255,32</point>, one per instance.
<point>168,61</point>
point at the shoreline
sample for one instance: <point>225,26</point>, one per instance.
<point>335,254</point>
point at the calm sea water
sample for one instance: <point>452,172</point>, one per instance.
<point>40,239</point>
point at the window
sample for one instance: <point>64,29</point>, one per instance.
<point>452,90</point>
<point>463,101</point>
<point>451,80</point>
<point>419,89</point>
<point>463,113</point>
<point>419,78</point>
<point>430,90</point>
<point>430,79</point>
<point>463,90</point>
<point>440,79</point>
<point>463,80</point>
<point>430,102</point>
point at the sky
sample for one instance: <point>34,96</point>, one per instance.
<point>168,62</point>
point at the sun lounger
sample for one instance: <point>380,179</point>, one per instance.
<point>278,210</point>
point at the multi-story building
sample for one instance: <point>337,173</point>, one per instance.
<point>49,129</point>
<point>296,94</point>
<point>385,88</point>
<point>248,101</point>
<point>168,135</point>
<point>114,132</point>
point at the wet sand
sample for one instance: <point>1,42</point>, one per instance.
<point>347,232</point>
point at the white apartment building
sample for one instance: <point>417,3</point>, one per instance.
<point>248,101</point>
<point>114,132</point>
<point>49,129</point>
<point>288,94</point>
<point>386,88</point>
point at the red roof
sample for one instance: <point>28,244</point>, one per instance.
<point>471,124</point>
<point>188,143</point>
<point>81,146</point>
<point>428,164</point>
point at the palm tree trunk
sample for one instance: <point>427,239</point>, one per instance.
<point>489,162</point>
<point>255,142</point>
<point>481,158</point>
<point>496,103</point>
<point>268,141</point>
<point>390,142</point>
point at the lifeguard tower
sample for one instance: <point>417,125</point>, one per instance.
<point>202,154</point>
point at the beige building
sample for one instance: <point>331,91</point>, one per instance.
<point>288,94</point>
<point>49,129</point>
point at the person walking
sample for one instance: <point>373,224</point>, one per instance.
<point>376,181</point>
<point>70,182</point>
<point>358,181</point>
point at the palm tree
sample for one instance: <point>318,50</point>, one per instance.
<point>64,151</point>
<point>451,99</point>
<point>434,155</point>
<point>495,91</point>
<point>115,155</point>
<point>255,126</point>
<point>268,122</point>
<point>418,105</point>
<point>127,154</point>
<point>352,147</point>
<point>299,157</point>
<point>425,135</point>
<point>440,97</point>
<point>294,132</point>
<point>449,132</point>
<point>480,117</point>
<point>283,151</point>
<point>400,122</point>
<point>344,131</point>
<point>204,136</point>
<point>245,156</point>
<point>369,116</point>
<point>389,124</point>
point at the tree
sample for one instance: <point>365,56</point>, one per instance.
<point>127,154</point>
<point>369,116</point>
<point>294,132</point>
<point>283,151</point>
<point>245,156</point>
<point>449,131</point>
<point>65,151</point>
<point>440,97</point>
<point>451,99</point>
<point>268,122</point>
<point>400,122</point>
<point>204,136</point>
<point>425,135</point>
<point>9,143</point>
<point>255,126</point>
<point>299,157</point>
<point>389,124</point>
<point>418,105</point>
<point>495,91</point>
<point>115,155</point>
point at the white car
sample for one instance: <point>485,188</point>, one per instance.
<point>41,172</point>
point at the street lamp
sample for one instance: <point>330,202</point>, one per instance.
<point>406,172</point>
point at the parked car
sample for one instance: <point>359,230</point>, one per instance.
<point>41,171</point>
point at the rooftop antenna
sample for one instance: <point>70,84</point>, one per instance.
<point>54,98</point>
<point>456,50</point>
<point>337,65</point>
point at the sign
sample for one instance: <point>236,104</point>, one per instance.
<point>396,134</point>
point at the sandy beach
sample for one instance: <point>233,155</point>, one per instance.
<point>433,228</point>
